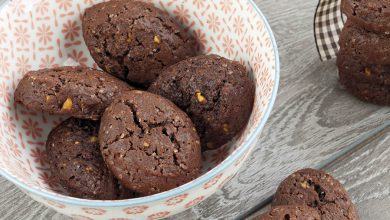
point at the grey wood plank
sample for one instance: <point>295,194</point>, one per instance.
<point>313,120</point>
<point>365,173</point>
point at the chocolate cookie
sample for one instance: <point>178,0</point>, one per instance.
<point>80,92</point>
<point>366,46</point>
<point>76,162</point>
<point>134,40</point>
<point>367,73</point>
<point>216,93</point>
<point>373,15</point>
<point>290,213</point>
<point>364,90</point>
<point>148,143</point>
<point>318,190</point>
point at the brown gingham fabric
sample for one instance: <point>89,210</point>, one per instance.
<point>328,23</point>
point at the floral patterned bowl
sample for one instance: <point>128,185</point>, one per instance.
<point>46,33</point>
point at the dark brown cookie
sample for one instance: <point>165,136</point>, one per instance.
<point>290,213</point>
<point>373,15</point>
<point>75,91</point>
<point>134,40</point>
<point>318,190</point>
<point>75,161</point>
<point>367,73</point>
<point>366,46</point>
<point>148,143</point>
<point>215,92</point>
<point>366,91</point>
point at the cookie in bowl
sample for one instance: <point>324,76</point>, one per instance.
<point>79,92</point>
<point>133,40</point>
<point>215,92</point>
<point>77,165</point>
<point>148,143</point>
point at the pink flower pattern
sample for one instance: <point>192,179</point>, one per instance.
<point>32,128</point>
<point>213,22</point>
<point>23,64</point>
<point>21,35</point>
<point>71,30</point>
<point>44,34</point>
<point>182,14</point>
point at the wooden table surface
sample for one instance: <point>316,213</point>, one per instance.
<point>314,124</point>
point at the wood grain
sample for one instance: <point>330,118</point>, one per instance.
<point>365,173</point>
<point>313,120</point>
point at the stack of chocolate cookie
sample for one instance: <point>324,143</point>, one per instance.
<point>310,194</point>
<point>121,142</point>
<point>364,56</point>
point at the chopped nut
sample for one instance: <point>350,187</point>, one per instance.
<point>129,38</point>
<point>146,144</point>
<point>98,50</point>
<point>226,128</point>
<point>48,98</point>
<point>67,104</point>
<point>201,99</point>
<point>76,142</point>
<point>305,184</point>
<point>88,169</point>
<point>93,139</point>
<point>122,135</point>
<point>157,39</point>
<point>367,71</point>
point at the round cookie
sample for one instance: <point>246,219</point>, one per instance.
<point>318,190</point>
<point>80,92</point>
<point>75,161</point>
<point>216,93</point>
<point>365,46</point>
<point>291,213</point>
<point>365,91</point>
<point>134,40</point>
<point>148,143</point>
<point>367,73</point>
<point>373,15</point>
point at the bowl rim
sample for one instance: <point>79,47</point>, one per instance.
<point>181,189</point>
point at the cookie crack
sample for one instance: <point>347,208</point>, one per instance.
<point>136,119</point>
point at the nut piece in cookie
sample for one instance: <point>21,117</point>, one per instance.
<point>215,92</point>
<point>290,213</point>
<point>318,190</point>
<point>80,92</point>
<point>134,40</point>
<point>75,161</point>
<point>148,143</point>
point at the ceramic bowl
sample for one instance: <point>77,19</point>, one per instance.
<point>38,34</point>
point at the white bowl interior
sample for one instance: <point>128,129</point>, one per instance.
<point>47,33</point>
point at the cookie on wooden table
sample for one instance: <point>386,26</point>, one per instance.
<point>365,91</point>
<point>133,40</point>
<point>148,143</point>
<point>76,162</point>
<point>364,45</point>
<point>216,93</point>
<point>80,92</point>
<point>290,212</point>
<point>373,15</point>
<point>318,190</point>
<point>363,72</point>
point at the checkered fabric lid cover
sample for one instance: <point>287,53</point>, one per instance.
<point>328,23</point>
